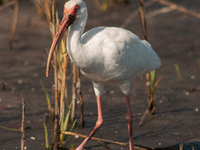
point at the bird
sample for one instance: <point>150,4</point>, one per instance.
<point>106,55</point>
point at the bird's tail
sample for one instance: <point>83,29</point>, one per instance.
<point>156,62</point>
<point>146,43</point>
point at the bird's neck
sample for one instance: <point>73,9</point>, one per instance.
<point>74,42</point>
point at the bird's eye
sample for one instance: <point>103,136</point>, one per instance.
<point>77,9</point>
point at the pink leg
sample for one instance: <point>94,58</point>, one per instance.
<point>129,122</point>
<point>99,123</point>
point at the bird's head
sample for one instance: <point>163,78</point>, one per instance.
<point>73,10</point>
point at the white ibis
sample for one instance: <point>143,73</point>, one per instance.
<point>104,55</point>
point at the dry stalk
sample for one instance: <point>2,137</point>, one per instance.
<point>136,147</point>
<point>132,15</point>
<point>56,121</point>
<point>7,4</point>
<point>144,30</point>
<point>22,125</point>
<point>166,3</point>
<point>73,92</point>
<point>179,8</point>
<point>79,93</point>
<point>63,80</point>
<point>56,139</point>
<point>52,18</point>
<point>48,7</point>
<point>103,141</point>
<point>60,63</point>
<point>66,95</point>
<point>150,88</point>
<point>148,84</point>
<point>142,10</point>
<point>106,146</point>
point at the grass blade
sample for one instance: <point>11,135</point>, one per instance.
<point>178,72</point>
<point>46,95</point>
<point>152,78</point>
<point>46,136</point>
<point>11,129</point>
<point>64,125</point>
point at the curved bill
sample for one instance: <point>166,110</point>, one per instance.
<point>66,22</point>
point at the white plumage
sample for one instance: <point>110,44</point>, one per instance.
<point>105,55</point>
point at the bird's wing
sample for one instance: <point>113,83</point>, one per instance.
<point>103,54</point>
<point>117,54</point>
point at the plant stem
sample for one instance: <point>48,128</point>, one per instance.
<point>144,30</point>
<point>56,138</point>
<point>22,125</point>
<point>73,93</point>
<point>79,93</point>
